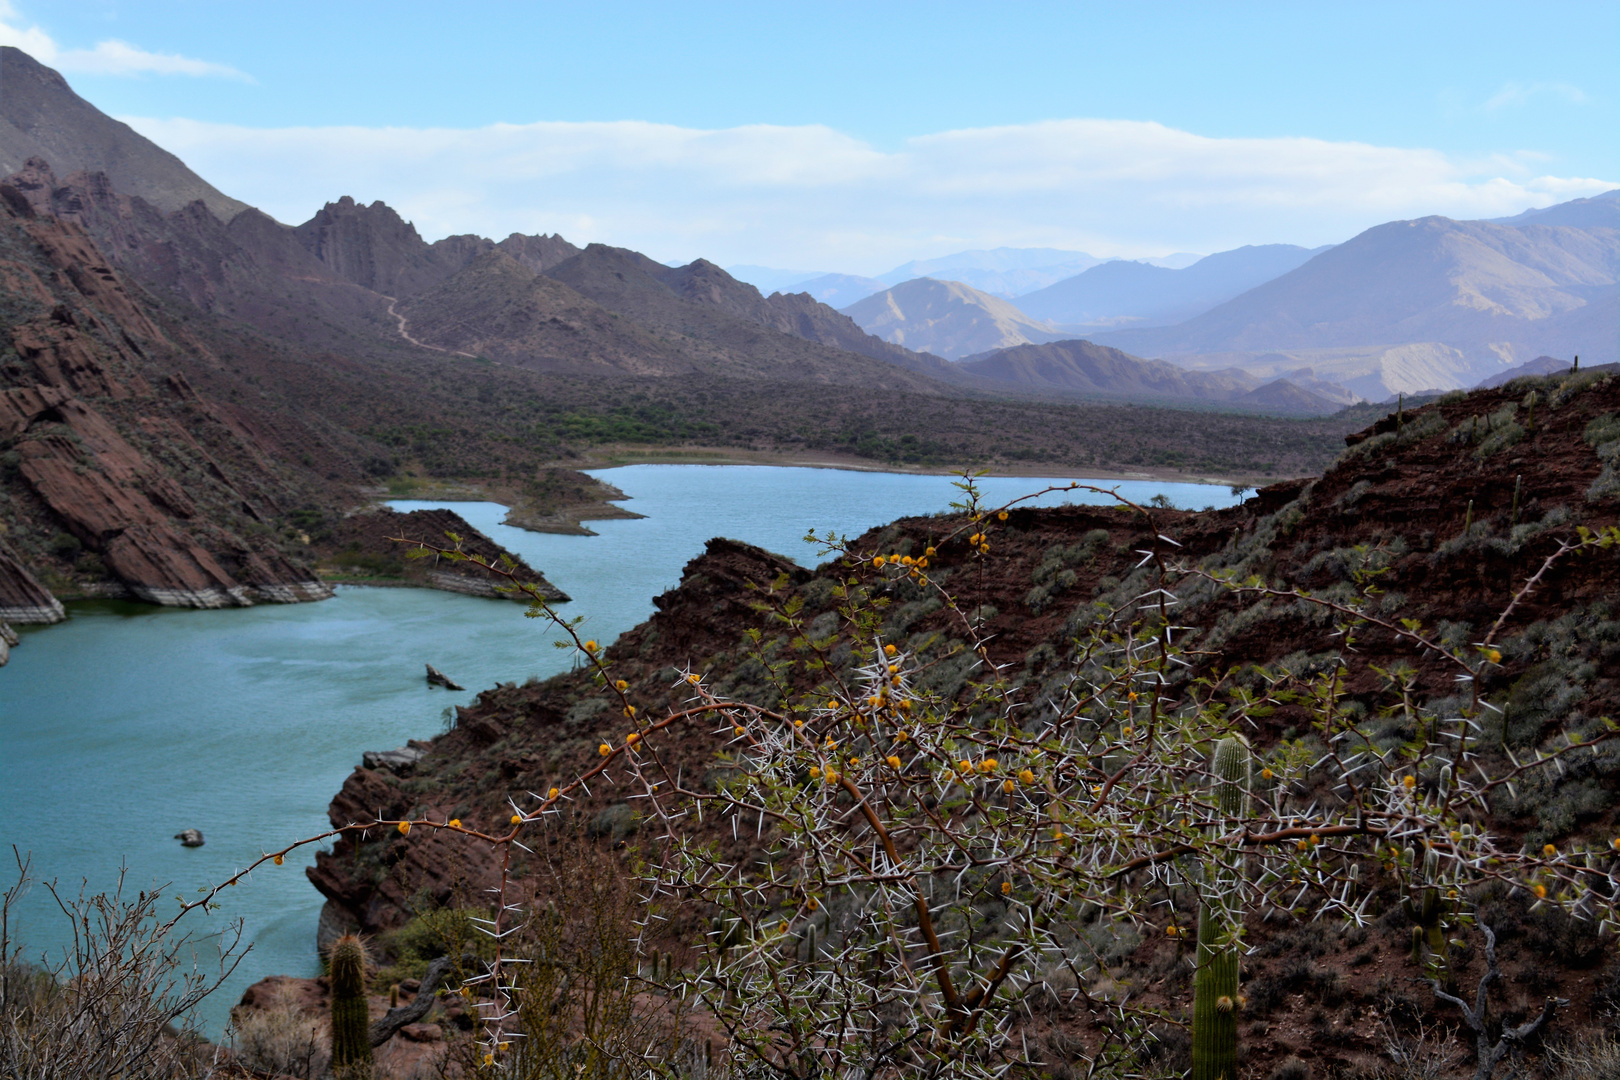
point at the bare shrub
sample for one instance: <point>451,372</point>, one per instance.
<point>119,999</point>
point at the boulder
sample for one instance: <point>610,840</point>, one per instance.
<point>190,838</point>
<point>394,761</point>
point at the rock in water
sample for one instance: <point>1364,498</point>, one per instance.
<point>190,838</point>
<point>435,677</point>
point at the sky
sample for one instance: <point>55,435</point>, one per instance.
<point>854,137</point>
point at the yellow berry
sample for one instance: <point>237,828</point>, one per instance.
<point>928,551</point>
<point>455,822</point>
<point>907,560</point>
<point>404,828</point>
<point>1057,834</point>
<point>630,710</point>
<point>1541,891</point>
<point>1494,655</point>
<point>1026,776</point>
<point>737,731</point>
<point>604,749</point>
<point>1008,786</point>
<point>815,772</point>
<point>1409,783</point>
<point>517,819</point>
<point>1006,888</point>
<point>877,561</point>
<point>1265,774</point>
<point>894,762</point>
<point>798,723</point>
<point>1127,731</point>
<point>989,764</point>
<point>1301,845</point>
<point>590,646</point>
<point>831,777</point>
<point>631,739</point>
<point>984,549</point>
<point>1002,516</point>
<point>621,685</point>
<point>278,860</point>
<point>811,903</point>
<point>965,766</point>
<point>1549,850</point>
<point>553,793</point>
<point>693,679</point>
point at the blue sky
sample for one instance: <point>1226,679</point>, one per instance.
<point>856,136</point>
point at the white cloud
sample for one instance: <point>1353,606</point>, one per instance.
<point>1517,93</point>
<point>110,57</point>
<point>812,196</point>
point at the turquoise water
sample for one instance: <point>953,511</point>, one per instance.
<point>128,723</point>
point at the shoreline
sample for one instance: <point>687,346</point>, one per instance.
<point>613,458</point>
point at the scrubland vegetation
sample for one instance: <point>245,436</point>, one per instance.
<point>1228,819</point>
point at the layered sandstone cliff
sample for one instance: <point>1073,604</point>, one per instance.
<point>120,477</point>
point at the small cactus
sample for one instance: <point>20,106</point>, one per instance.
<point>351,1018</point>
<point>1427,912</point>
<point>1215,986</point>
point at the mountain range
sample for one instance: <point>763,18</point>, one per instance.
<point>948,318</point>
<point>1122,293</point>
<point>193,394</point>
<point>1401,308</point>
<point>1411,305</point>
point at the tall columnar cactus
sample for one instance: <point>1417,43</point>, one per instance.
<point>351,1020</point>
<point>1220,927</point>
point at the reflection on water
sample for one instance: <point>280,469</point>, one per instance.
<point>129,723</point>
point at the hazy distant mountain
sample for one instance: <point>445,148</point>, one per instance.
<point>839,290</point>
<point>769,279</point>
<point>1541,365</point>
<point>41,116</point>
<point>1120,293</point>
<point>1415,304</point>
<point>1083,369</point>
<point>1000,271</point>
<point>1598,212</point>
<point>1180,260</point>
<point>946,318</point>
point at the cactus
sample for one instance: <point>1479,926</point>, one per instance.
<point>351,1019</point>
<point>1220,928</point>
<point>1427,912</point>
<point>1518,484</point>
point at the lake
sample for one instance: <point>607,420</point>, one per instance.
<point>128,723</point>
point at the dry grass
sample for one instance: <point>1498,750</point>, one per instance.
<point>281,1040</point>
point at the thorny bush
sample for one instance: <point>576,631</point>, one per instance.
<point>933,863</point>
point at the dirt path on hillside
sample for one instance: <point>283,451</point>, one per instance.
<point>406,334</point>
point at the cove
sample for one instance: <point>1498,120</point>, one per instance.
<point>128,722</point>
